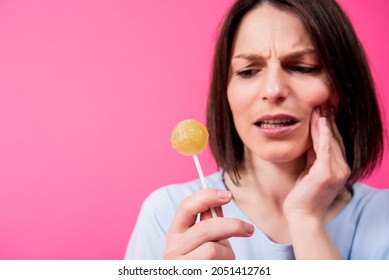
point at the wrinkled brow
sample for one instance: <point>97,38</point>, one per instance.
<point>294,55</point>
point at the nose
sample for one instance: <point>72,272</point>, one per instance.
<point>273,87</point>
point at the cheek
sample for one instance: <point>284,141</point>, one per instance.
<point>316,94</point>
<point>240,98</point>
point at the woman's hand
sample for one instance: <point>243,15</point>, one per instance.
<point>307,205</point>
<point>207,239</point>
<point>326,170</point>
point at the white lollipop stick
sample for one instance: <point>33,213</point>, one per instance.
<point>202,179</point>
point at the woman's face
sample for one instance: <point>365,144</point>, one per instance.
<point>276,81</point>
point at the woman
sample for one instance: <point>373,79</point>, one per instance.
<point>294,123</point>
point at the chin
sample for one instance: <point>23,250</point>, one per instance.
<point>281,153</point>
<point>280,158</point>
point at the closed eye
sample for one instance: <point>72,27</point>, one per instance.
<point>247,73</point>
<point>305,69</point>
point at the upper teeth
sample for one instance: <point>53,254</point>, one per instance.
<point>276,121</point>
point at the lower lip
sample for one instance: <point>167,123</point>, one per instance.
<point>277,131</point>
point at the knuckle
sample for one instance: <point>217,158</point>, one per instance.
<point>186,205</point>
<point>344,172</point>
<point>211,251</point>
<point>172,238</point>
<point>171,245</point>
<point>169,253</point>
<point>216,251</point>
<point>325,181</point>
<point>237,226</point>
<point>347,171</point>
<point>326,148</point>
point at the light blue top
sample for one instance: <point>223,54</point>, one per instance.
<point>360,230</point>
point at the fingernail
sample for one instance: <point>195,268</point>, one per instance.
<point>224,194</point>
<point>249,228</point>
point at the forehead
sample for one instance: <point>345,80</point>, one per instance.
<point>267,28</point>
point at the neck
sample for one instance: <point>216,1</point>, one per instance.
<point>273,180</point>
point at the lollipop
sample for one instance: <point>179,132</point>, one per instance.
<point>189,137</point>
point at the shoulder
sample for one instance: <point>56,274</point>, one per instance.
<point>371,239</point>
<point>372,199</point>
<point>376,207</point>
<point>370,204</point>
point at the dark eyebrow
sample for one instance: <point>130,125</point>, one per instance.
<point>300,54</point>
<point>249,57</point>
<point>253,57</point>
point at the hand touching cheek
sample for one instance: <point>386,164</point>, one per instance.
<point>326,169</point>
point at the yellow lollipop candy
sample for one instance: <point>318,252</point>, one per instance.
<point>189,137</point>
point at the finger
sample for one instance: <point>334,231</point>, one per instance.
<point>213,230</point>
<point>212,251</point>
<point>311,157</point>
<point>328,111</point>
<point>329,156</point>
<point>314,126</point>
<point>337,149</point>
<point>335,130</point>
<point>338,153</point>
<point>199,202</point>
<point>323,152</point>
<point>339,163</point>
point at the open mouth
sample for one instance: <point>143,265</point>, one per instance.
<point>275,123</point>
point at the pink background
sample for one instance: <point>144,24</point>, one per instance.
<point>89,93</point>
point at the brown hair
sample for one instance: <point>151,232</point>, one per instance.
<point>344,62</point>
